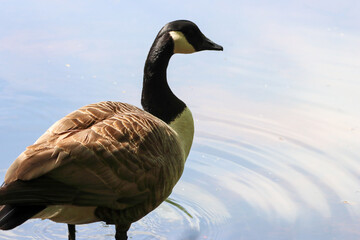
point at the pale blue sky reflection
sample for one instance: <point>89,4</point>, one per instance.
<point>276,151</point>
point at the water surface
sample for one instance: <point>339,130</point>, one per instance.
<point>276,149</point>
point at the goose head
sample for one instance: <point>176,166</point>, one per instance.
<point>187,37</point>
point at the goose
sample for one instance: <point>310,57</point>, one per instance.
<point>109,161</point>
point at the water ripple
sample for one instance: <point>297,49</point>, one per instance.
<point>248,178</point>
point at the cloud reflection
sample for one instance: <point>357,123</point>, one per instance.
<point>285,162</point>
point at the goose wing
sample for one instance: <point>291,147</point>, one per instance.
<point>114,151</point>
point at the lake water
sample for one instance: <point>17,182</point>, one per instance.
<point>276,153</point>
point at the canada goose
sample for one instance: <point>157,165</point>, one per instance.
<point>109,161</point>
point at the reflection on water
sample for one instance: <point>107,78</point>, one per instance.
<point>276,149</point>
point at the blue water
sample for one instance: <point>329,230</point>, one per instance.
<point>276,149</point>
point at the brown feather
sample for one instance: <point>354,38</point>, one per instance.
<point>106,149</point>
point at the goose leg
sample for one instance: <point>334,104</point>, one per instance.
<point>121,232</point>
<point>71,230</point>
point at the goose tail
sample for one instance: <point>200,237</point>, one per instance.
<point>13,216</point>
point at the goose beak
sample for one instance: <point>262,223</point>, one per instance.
<point>210,45</point>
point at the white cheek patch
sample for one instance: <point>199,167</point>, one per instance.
<point>181,45</point>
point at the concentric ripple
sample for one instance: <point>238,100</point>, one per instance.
<point>250,177</point>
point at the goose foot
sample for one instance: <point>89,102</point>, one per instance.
<point>71,230</point>
<point>121,232</point>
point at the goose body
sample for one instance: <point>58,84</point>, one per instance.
<point>109,161</point>
<point>109,149</point>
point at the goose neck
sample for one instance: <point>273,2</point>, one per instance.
<point>157,97</point>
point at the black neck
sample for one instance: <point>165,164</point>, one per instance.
<point>157,97</point>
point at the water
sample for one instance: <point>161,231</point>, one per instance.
<point>276,149</point>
